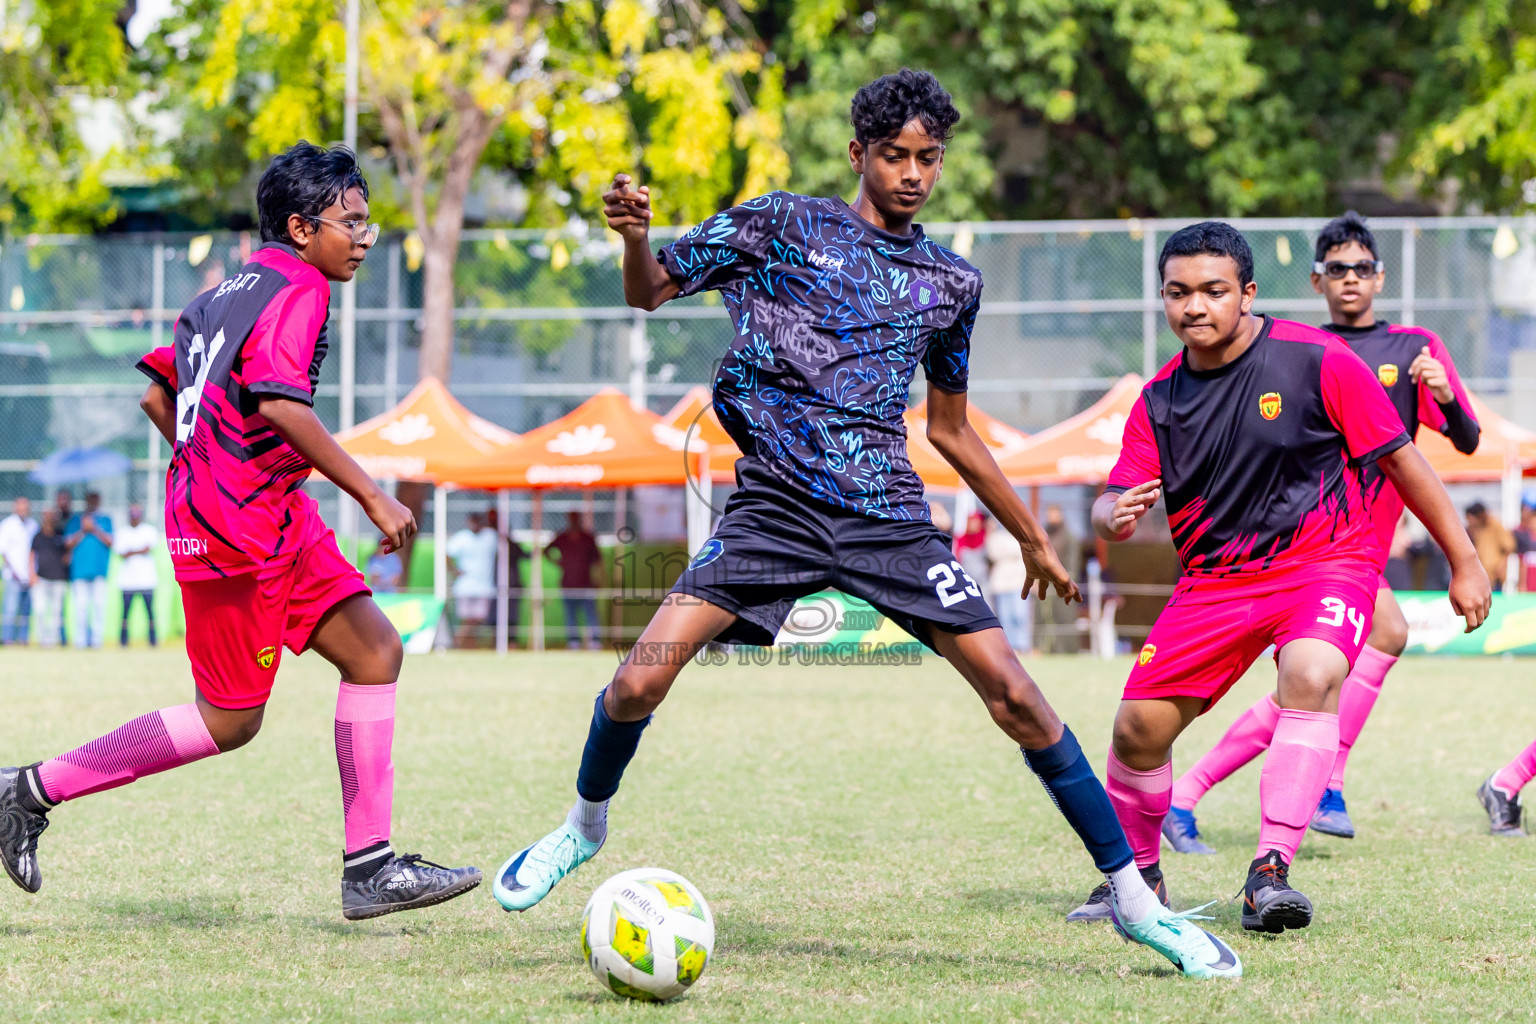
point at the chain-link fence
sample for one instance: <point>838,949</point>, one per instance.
<point>541,325</point>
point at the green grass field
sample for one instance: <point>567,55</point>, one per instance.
<point>872,847</point>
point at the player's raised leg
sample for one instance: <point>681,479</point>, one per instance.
<point>681,626</point>
<point>1140,913</point>
<point>356,637</point>
<point>151,743</point>
<point>1500,794</point>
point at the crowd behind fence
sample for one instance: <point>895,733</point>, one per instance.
<point>1068,307</point>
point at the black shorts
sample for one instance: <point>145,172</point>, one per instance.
<point>775,544</point>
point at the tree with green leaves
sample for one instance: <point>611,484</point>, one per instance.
<point>53,54</point>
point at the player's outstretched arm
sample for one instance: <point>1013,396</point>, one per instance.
<point>161,410</point>
<point>1115,514</point>
<point>1424,494</point>
<point>297,424</point>
<point>646,282</point>
<point>952,434</point>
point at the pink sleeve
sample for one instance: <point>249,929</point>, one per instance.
<point>1139,461</point>
<point>278,354</point>
<point>1358,405</point>
<point>1430,413</point>
<point>159,366</point>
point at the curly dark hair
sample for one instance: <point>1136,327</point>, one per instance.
<point>882,108</point>
<point>1209,238</point>
<point>1343,230</point>
<point>304,179</point>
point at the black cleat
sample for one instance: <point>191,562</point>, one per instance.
<point>1097,906</point>
<point>1269,902</point>
<point>404,883</point>
<point>19,828</point>
<point>1503,811</point>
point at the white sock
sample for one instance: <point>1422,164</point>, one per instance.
<point>1133,899</point>
<point>590,818</point>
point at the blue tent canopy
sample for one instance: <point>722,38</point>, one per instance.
<point>78,465</point>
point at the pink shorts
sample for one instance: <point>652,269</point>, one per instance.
<point>1213,630</point>
<point>237,627</point>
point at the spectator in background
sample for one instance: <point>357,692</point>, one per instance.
<point>16,533</point>
<point>1525,542</point>
<point>1006,582</point>
<point>1057,619</point>
<point>64,504</point>
<point>137,576</point>
<point>1493,541</point>
<point>578,552</point>
<point>50,579</point>
<point>472,559</point>
<point>970,548</point>
<point>516,556</point>
<point>384,571</point>
<point>1399,570</point>
<point>88,536</point>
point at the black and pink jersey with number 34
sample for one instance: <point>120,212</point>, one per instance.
<point>233,497</point>
<point>1261,458</point>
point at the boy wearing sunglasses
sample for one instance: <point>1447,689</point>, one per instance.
<point>1414,368</point>
<point>258,568</point>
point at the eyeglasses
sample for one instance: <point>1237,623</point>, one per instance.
<point>1365,269</point>
<point>364,233</point>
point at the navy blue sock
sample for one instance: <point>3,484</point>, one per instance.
<point>1081,799</point>
<point>610,746</point>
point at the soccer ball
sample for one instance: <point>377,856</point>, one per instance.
<point>647,934</point>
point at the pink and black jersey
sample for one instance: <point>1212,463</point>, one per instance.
<point>1260,459</point>
<point>233,498</point>
<point>1389,350</point>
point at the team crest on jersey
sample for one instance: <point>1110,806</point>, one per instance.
<point>1387,374</point>
<point>1147,654</point>
<point>923,294</point>
<point>266,656</point>
<point>1269,404</point>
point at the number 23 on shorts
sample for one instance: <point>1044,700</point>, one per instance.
<point>945,574</point>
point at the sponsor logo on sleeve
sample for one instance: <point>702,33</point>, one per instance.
<point>1147,654</point>
<point>1269,404</point>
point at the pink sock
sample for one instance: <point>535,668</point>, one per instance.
<point>1356,699</point>
<point>1247,738</point>
<point>1513,776</point>
<point>1141,804</point>
<point>1294,777</point>
<point>148,744</point>
<point>365,731</point>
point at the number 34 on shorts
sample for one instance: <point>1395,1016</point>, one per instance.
<point>1337,612</point>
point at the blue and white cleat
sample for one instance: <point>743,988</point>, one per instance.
<point>527,877</point>
<point>1179,832</point>
<point>1331,817</point>
<point>1193,950</point>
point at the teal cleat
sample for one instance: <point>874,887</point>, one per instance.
<point>527,877</point>
<point>1193,950</point>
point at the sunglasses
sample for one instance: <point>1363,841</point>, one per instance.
<point>1365,269</point>
<point>364,232</point>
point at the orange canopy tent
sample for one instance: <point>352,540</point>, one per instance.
<point>1081,449</point>
<point>693,418</point>
<point>603,442</point>
<point>1003,440</point>
<point>428,431</point>
<point>1502,446</point>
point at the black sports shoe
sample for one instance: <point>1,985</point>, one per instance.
<point>1503,811</point>
<point>1096,907</point>
<point>1269,902</point>
<point>404,883</point>
<point>19,828</point>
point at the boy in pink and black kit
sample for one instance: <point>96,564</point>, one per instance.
<point>1412,366</point>
<point>1256,433</point>
<point>258,568</point>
